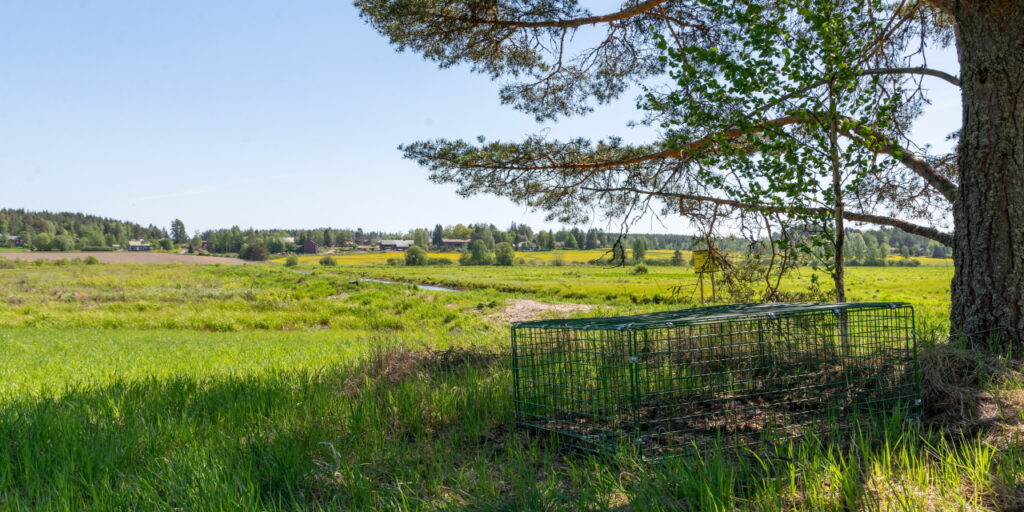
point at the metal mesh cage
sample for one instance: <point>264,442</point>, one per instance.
<point>722,376</point>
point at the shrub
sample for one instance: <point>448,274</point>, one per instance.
<point>416,256</point>
<point>639,270</point>
<point>328,261</point>
<point>905,263</point>
<point>91,260</point>
<point>396,262</point>
<point>292,260</point>
<point>439,261</point>
<point>558,260</point>
<point>254,252</point>
<point>504,254</point>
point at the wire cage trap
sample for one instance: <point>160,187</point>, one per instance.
<point>714,377</point>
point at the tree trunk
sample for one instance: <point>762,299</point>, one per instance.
<point>988,286</point>
<point>839,239</point>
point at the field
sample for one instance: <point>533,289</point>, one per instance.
<point>122,257</point>
<point>262,387</point>
<point>541,257</point>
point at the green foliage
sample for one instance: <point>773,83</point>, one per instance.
<point>62,242</point>
<point>504,254</point>
<point>437,236</point>
<point>255,251</point>
<point>91,260</point>
<point>476,254</point>
<point>78,230</point>
<point>166,244</point>
<point>328,261</point>
<point>178,233</point>
<point>42,242</point>
<point>416,256</point>
<point>421,239</point>
<point>292,260</point>
<point>639,269</point>
<point>792,61</point>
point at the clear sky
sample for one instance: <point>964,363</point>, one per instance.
<point>255,113</point>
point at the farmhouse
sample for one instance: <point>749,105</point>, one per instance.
<point>139,245</point>
<point>395,245</point>
<point>454,244</point>
<point>15,241</point>
<point>310,247</point>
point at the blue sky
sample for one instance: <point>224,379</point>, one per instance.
<point>255,113</point>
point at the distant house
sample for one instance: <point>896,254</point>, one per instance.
<point>310,247</point>
<point>287,239</point>
<point>395,245</point>
<point>139,245</point>
<point>15,241</point>
<point>454,244</point>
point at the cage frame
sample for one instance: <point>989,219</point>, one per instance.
<point>630,333</point>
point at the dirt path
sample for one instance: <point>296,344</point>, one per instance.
<point>125,257</point>
<point>523,310</point>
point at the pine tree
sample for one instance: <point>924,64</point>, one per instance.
<point>178,233</point>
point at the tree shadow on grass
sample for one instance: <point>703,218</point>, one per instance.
<point>251,442</point>
<point>401,429</point>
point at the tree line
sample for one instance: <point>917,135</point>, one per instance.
<point>46,231</point>
<point>66,231</point>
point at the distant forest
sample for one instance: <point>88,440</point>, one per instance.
<point>65,231</point>
<point>46,231</point>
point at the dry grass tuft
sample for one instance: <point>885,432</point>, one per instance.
<point>973,392</point>
<point>393,364</point>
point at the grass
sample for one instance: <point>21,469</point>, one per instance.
<point>544,257</point>
<point>175,387</point>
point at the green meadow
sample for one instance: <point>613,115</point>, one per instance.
<point>265,388</point>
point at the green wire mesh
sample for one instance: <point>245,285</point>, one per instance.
<point>673,382</point>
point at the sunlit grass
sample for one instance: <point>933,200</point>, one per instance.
<point>265,388</point>
<point>545,257</point>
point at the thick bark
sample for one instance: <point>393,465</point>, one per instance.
<point>988,287</point>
